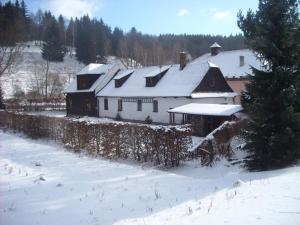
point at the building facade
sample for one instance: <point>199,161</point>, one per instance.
<point>235,65</point>
<point>81,97</point>
<point>147,94</point>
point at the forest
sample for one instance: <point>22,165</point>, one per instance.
<point>92,39</point>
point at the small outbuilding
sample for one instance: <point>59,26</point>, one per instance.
<point>205,117</point>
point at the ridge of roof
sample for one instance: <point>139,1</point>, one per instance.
<point>215,45</point>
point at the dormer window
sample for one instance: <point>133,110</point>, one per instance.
<point>86,81</point>
<point>82,83</point>
<point>121,78</point>
<point>153,78</point>
<point>150,81</point>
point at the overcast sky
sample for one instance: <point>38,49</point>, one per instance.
<point>155,16</point>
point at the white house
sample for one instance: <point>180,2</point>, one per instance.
<point>151,92</point>
<point>194,92</point>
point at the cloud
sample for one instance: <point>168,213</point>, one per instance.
<point>221,15</point>
<point>183,12</point>
<point>73,8</point>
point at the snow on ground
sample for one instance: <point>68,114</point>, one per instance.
<point>31,66</point>
<point>42,183</point>
<point>51,113</point>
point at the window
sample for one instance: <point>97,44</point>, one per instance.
<point>82,83</point>
<point>150,82</point>
<point>139,105</point>
<point>212,82</point>
<point>155,106</point>
<point>120,105</point>
<point>105,104</point>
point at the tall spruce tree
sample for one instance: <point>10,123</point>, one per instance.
<point>85,42</point>
<point>272,96</point>
<point>53,45</point>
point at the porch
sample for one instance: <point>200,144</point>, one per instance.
<point>204,118</point>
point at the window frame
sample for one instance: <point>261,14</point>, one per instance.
<point>120,105</point>
<point>105,103</point>
<point>155,106</point>
<point>139,105</point>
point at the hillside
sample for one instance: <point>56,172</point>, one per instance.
<point>31,66</point>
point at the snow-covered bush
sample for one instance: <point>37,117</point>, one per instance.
<point>217,144</point>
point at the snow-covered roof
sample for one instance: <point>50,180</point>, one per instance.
<point>157,71</point>
<point>207,109</point>
<point>106,71</point>
<point>215,45</point>
<point>73,86</point>
<point>94,68</point>
<point>229,62</point>
<point>122,74</point>
<point>214,95</point>
<point>175,82</point>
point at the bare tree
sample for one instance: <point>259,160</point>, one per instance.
<point>8,56</point>
<point>48,86</point>
<point>56,86</point>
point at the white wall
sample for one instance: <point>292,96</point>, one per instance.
<point>130,112</point>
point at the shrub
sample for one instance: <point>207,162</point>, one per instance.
<point>148,120</point>
<point>156,144</point>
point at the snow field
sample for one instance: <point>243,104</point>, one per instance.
<point>43,183</point>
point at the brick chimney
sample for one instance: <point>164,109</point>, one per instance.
<point>215,49</point>
<point>182,60</point>
<point>242,60</point>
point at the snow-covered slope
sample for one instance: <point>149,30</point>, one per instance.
<point>31,65</point>
<point>42,183</point>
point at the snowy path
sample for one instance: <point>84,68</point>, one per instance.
<point>41,183</point>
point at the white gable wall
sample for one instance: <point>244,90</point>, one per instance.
<point>129,109</point>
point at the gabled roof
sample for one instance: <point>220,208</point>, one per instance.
<point>207,109</point>
<point>94,68</point>
<point>229,62</point>
<point>73,86</point>
<point>106,72</point>
<point>174,83</point>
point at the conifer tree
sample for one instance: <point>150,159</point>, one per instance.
<point>62,30</point>
<point>85,41</point>
<point>53,45</point>
<point>272,96</point>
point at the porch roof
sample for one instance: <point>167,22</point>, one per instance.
<point>207,109</point>
<point>214,94</point>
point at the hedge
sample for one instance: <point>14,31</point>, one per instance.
<point>157,144</point>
